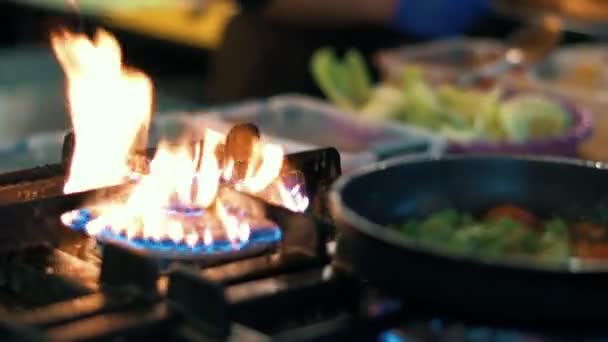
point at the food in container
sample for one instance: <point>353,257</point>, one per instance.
<point>308,121</point>
<point>579,72</point>
<point>296,122</point>
<point>473,119</point>
<point>442,60</point>
<point>577,69</point>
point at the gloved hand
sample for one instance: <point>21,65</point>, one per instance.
<point>438,18</point>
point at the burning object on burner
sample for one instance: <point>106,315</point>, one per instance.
<point>184,204</point>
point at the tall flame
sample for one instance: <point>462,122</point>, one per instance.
<point>178,199</point>
<point>208,177</point>
<point>109,106</point>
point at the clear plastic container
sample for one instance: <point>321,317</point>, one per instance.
<point>315,123</point>
<point>579,72</point>
<point>442,60</point>
<point>296,122</point>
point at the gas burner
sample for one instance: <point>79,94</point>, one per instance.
<point>255,234</point>
<point>182,207</point>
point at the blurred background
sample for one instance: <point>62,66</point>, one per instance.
<point>210,52</point>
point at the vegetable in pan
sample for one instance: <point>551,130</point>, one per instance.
<point>507,231</point>
<point>459,114</point>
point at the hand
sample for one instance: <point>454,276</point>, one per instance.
<point>438,18</point>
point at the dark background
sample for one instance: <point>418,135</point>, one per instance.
<point>258,58</point>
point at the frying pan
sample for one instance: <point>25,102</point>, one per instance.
<point>364,203</point>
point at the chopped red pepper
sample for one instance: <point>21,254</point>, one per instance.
<point>592,250</point>
<point>591,231</point>
<point>513,212</point>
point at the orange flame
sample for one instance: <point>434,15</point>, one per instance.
<point>208,177</point>
<point>109,106</point>
<point>272,161</point>
<point>175,182</point>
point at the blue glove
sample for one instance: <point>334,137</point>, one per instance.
<point>438,18</point>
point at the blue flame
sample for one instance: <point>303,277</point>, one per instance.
<point>258,236</point>
<point>185,211</point>
<point>391,336</point>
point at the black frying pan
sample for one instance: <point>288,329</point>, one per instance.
<point>365,202</point>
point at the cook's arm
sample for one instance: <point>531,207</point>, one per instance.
<point>424,18</point>
<point>325,12</point>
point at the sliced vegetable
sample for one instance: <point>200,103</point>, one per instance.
<point>513,212</point>
<point>555,246</point>
<point>387,102</point>
<point>533,117</point>
<point>487,120</point>
<point>463,115</point>
<point>463,135</point>
<point>360,79</point>
<point>332,77</point>
<point>592,250</point>
<point>590,231</point>
<point>505,231</point>
<point>423,106</point>
<point>463,103</point>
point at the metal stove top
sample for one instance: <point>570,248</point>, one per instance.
<point>65,287</point>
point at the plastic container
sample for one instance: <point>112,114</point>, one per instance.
<point>566,145</point>
<point>442,59</point>
<point>296,122</point>
<point>313,122</point>
<point>578,72</point>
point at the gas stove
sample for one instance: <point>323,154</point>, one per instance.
<point>225,238</point>
<point>58,285</point>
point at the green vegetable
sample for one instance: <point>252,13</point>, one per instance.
<point>464,135</point>
<point>345,82</point>
<point>386,102</point>
<point>423,106</point>
<point>487,121</point>
<point>458,232</point>
<point>473,114</point>
<point>466,239</point>
<point>411,228</point>
<point>360,79</point>
<point>459,102</point>
<point>332,77</point>
<point>556,227</point>
<point>533,117</point>
<point>463,115</point>
<point>553,249</point>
